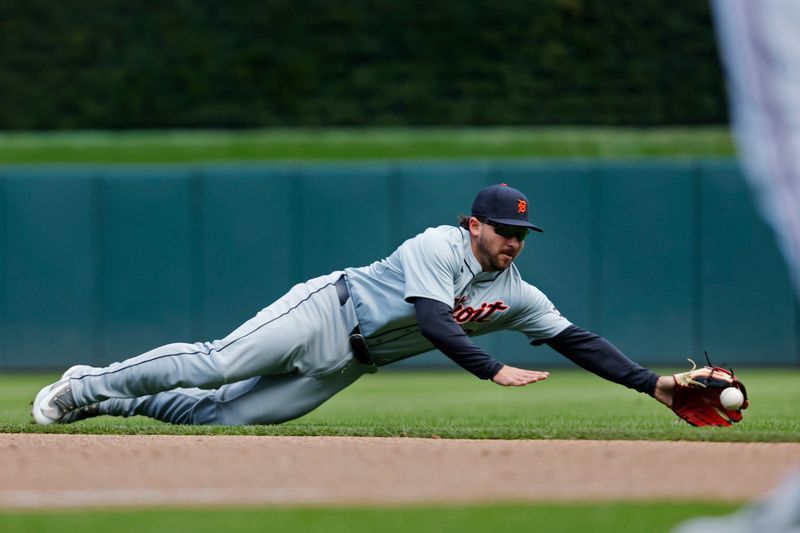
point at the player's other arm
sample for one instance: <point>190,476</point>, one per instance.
<point>597,355</point>
<point>438,326</point>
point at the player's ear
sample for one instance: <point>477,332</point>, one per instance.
<point>474,226</point>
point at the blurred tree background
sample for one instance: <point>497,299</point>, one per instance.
<point>90,64</point>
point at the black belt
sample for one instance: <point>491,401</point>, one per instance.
<point>357,342</point>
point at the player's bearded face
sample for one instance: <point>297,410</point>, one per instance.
<point>495,252</point>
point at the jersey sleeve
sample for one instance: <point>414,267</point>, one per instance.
<point>430,263</point>
<point>438,326</point>
<point>538,318</point>
<point>597,355</point>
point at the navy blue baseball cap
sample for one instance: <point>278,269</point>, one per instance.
<point>502,204</point>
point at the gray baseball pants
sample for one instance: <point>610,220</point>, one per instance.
<point>284,362</point>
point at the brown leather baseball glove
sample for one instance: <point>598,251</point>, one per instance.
<point>696,398</point>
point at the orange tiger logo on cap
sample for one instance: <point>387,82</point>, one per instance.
<point>522,206</point>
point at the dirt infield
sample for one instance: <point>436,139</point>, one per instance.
<point>84,470</point>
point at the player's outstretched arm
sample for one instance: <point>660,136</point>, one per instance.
<point>595,354</point>
<point>510,376</point>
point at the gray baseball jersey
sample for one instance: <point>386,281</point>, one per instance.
<point>294,355</point>
<point>439,264</point>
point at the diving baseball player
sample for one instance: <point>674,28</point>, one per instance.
<point>437,290</point>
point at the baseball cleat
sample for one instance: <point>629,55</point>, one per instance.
<point>53,403</point>
<point>81,413</point>
<point>87,411</point>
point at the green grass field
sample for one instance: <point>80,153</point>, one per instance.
<point>570,405</point>
<point>360,144</point>
<point>616,517</point>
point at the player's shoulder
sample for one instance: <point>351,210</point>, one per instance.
<point>441,235</point>
<point>440,241</point>
<point>445,232</point>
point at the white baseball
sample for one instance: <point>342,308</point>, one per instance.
<point>731,398</point>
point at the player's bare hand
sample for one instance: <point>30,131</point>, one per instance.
<point>509,376</point>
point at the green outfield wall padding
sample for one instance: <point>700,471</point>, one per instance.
<point>664,258</point>
<point>49,276</point>
<point>246,245</point>
<point>646,226</point>
<point>747,305</point>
